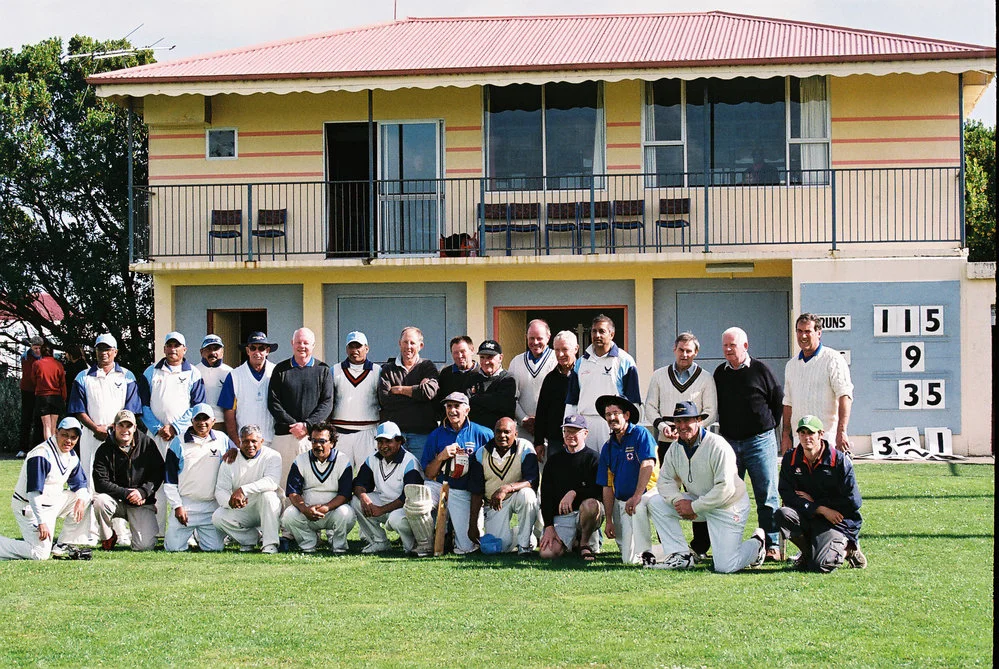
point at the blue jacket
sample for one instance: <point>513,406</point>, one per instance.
<point>830,482</point>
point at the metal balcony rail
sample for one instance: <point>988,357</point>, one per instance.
<point>608,213</point>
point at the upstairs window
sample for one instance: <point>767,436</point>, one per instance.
<point>737,131</point>
<point>220,144</point>
<point>544,137</point>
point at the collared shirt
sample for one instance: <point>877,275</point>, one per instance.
<point>804,358</point>
<point>683,375</point>
<point>621,461</point>
<point>471,437</point>
<point>829,481</point>
<point>393,475</point>
<point>744,365</point>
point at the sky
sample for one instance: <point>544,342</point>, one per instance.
<point>196,27</point>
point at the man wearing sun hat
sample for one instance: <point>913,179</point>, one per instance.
<point>244,392</point>
<point>821,502</point>
<point>169,389</point>
<point>41,498</point>
<point>626,470</point>
<point>355,401</point>
<point>213,371</point>
<point>699,480</point>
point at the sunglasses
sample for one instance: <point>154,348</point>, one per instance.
<point>320,441</point>
<point>259,347</point>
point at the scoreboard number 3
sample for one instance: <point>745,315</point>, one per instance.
<point>921,394</point>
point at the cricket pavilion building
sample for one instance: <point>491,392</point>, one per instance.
<point>674,171</point>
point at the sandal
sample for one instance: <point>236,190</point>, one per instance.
<point>587,554</point>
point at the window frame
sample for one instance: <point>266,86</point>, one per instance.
<point>235,143</point>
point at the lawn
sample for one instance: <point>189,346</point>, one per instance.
<point>925,600</point>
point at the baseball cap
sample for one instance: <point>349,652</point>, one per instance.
<point>575,421</point>
<point>260,338</point>
<point>124,416</point>
<point>356,336</point>
<point>809,423</point>
<point>210,340</point>
<point>70,423</point>
<point>490,347</point>
<point>107,339</point>
<point>389,430</point>
<point>456,396</point>
<point>203,408</point>
<point>176,336</point>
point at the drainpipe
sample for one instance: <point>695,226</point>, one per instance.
<point>131,193</point>
<point>960,127</point>
<point>707,162</point>
<point>371,175</point>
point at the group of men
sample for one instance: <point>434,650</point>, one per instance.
<point>537,457</point>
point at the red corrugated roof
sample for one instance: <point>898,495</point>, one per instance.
<point>545,43</point>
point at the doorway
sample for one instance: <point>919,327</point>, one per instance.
<point>511,324</point>
<point>235,326</point>
<point>347,190</point>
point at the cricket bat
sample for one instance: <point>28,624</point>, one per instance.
<point>441,521</point>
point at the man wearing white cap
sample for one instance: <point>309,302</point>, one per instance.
<point>355,405</point>
<point>40,497</point>
<point>128,469</point>
<point>213,371</point>
<point>382,496</point>
<point>191,471</point>
<point>244,392</point>
<point>95,397</point>
<point>169,389</point>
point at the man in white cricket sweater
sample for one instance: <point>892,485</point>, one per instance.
<point>190,474</point>
<point>530,370</point>
<point>246,492</point>
<point>699,480</point>
<point>213,371</point>
<point>355,401</point>
<point>816,383</point>
<point>319,489</point>
<point>244,392</point>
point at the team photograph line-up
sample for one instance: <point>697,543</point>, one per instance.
<point>548,457</point>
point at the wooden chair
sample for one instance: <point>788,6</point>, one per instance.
<point>627,215</point>
<point>674,214</point>
<point>272,224</point>
<point>226,224</point>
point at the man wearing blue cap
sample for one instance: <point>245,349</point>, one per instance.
<point>700,481</point>
<point>40,497</point>
<point>96,396</point>
<point>570,496</point>
<point>190,473</point>
<point>169,389</point>
<point>355,401</point>
<point>213,371</point>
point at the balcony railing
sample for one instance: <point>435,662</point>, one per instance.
<point>599,214</point>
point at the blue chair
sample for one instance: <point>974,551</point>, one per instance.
<point>627,215</point>
<point>674,214</point>
<point>226,224</point>
<point>272,224</point>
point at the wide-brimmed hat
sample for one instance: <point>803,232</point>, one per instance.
<point>685,410</point>
<point>260,338</point>
<point>605,400</point>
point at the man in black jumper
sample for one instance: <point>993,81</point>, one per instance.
<point>750,406</point>
<point>551,400</point>
<point>570,497</point>
<point>492,392</point>
<point>300,396</point>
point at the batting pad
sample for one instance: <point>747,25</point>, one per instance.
<point>419,503</point>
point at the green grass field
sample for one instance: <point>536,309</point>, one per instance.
<point>926,600</point>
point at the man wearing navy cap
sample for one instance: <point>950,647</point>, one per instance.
<point>355,401</point>
<point>213,371</point>
<point>492,392</point>
<point>570,496</point>
<point>169,389</point>
<point>41,498</point>
<point>699,480</point>
<point>244,392</point>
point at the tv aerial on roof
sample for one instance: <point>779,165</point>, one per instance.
<point>114,53</point>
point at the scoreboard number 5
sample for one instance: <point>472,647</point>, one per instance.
<point>913,356</point>
<point>921,394</point>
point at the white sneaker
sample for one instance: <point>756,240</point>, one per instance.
<point>269,549</point>
<point>760,536</point>
<point>379,547</point>
<point>245,548</point>
<point>684,560</point>
<point>21,455</point>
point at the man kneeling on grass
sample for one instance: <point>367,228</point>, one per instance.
<point>570,496</point>
<point>821,512</point>
<point>319,490</point>
<point>246,491</point>
<point>703,465</point>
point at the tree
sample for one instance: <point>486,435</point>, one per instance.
<point>980,191</point>
<point>64,199</point>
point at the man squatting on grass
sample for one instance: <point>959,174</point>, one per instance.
<point>215,489</point>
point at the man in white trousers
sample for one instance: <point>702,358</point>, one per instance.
<point>699,481</point>
<point>319,489</point>
<point>246,491</point>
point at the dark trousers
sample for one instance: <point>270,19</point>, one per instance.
<point>31,425</point>
<point>822,545</point>
<point>702,540</point>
